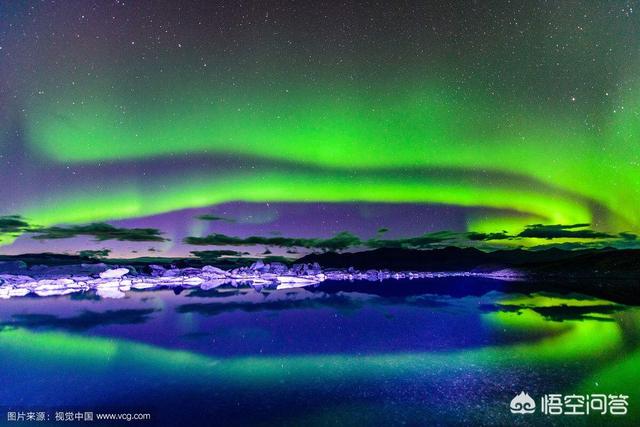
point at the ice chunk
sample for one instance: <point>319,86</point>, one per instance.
<point>192,281</point>
<point>19,292</point>
<point>212,271</point>
<point>213,283</point>
<point>42,286</point>
<point>114,273</point>
<point>278,268</point>
<point>258,265</point>
<point>51,292</point>
<point>143,285</point>
<point>11,278</point>
<point>172,272</point>
<point>287,282</point>
<point>7,292</point>
<point>156,270</point>
<point>125,285</point>
<point>292,285</point>
<point>108,284</point>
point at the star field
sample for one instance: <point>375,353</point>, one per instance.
<point>506,113</point>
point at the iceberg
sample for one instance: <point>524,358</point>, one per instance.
<point>115,273</point>
<point>112,283</point>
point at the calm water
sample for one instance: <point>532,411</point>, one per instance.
<point>444,351</point>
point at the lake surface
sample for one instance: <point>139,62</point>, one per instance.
<point>438,351</point>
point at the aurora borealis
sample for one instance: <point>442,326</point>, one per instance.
<point>476,118</point>
<point>310,212</point>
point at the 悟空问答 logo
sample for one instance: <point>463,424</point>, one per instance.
<point>522,404</point>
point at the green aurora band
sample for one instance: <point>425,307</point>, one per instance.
<point>353,130</point>
<point>423,130</point>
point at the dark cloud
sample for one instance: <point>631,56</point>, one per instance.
<point>562,231</point>
<point>217,240</point>
<point>210,217</point>
<point>344,240</point>
<point>13,224</point>
<point>16,224</point>
<point>484,241</point>
<point>214,255</point>
<point>616,243</point>
<point>420,242</point>
<point>101,232</point>
<point>473,236</point>
<point>340,241</point>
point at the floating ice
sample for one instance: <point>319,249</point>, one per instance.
<point>112,283</point>
<point>143,285</point>
<point>213,272</point>
<point>114,273</point>
<point>52,292</point>
<point>9,291</point>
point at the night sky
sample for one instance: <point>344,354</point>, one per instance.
<point>310,118</point>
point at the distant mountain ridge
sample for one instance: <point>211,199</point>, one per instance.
<point>607,262</point>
